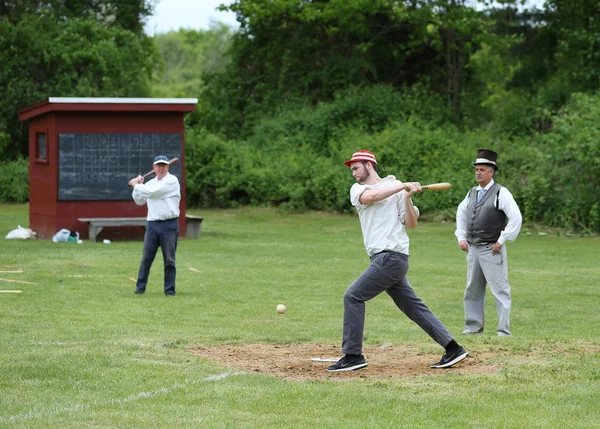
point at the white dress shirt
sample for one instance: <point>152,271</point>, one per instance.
<point>161,196</point>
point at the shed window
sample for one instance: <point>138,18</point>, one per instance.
<point>42,148</point>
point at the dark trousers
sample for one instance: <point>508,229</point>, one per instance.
<point>387,273</point>
<point>161,234</point>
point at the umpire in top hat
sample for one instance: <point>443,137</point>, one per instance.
<point>486,219</point>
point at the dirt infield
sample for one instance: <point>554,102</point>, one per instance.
<point>295,361</point>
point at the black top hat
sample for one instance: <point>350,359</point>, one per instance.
<point>486,156</point>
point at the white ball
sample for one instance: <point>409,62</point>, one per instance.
<point>281,309</point>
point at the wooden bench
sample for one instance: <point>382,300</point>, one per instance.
<point>96,224</point>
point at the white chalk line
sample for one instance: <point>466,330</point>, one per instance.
<point>86,343</point>
<point>157,362</point>
<point>32,414</point>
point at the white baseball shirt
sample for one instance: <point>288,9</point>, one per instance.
<point>382,223</point>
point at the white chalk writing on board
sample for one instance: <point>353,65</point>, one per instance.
<point>98,166</point>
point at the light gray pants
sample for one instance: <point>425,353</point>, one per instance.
<point>387,272</point>
<point>482,268</point>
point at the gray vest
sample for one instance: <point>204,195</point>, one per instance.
<point>485,221</point>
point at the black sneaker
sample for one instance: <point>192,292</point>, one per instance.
<point>450,358</point>
<point>348,363</point>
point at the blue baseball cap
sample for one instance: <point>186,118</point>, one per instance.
<point>161,159</point>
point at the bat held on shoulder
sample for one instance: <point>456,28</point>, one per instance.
<point>171,162</point>
<point>434,187</point>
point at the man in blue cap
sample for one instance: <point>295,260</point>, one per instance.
<point>162,196</point>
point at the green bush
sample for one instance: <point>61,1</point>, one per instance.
<point>14,181</point>
<point>4,140</point>
<point>370,110</point>
<point>561,169</point>
<point>233,173</point>
<point>294,161</point>
<point>298,177</point>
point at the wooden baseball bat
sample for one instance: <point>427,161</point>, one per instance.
<point>434,187</point>
<point>171,162</point>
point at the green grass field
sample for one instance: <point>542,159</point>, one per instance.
<point>79,349</point>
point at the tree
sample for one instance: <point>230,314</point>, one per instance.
<point>43,57</point>
<point>576,25</point>
<point>126,14</point>
<point>187,55</point>
<point>309,50</point>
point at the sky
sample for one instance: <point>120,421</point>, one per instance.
<point>171,15</point>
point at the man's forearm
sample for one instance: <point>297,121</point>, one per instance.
<point>371,196</point>
<point>410,214</point>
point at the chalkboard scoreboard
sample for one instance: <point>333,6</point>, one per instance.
<point>99,166</point>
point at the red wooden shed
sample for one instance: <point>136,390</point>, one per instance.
<point>83,151</point>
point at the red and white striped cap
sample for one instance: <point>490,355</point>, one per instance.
<point>361,155</point>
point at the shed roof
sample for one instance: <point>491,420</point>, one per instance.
<point>104,104</point>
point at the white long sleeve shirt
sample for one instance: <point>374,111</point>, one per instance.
<point>161,196</point>
<point>504,202</point>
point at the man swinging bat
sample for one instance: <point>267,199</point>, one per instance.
<point>385,210</point>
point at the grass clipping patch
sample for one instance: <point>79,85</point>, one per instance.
<point>294,361</point>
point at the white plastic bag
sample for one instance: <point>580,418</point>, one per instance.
<point>62,236</point>
<point>21,232</point>
<point>66,236</point>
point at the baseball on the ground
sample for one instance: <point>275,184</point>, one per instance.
<point>281,308</point>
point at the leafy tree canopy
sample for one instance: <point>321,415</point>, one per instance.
<point>309,50</point>
<point>127,14</point>
<point>187,55</point>
<point>43,57</point>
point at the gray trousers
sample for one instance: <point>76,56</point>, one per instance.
<point>387,273</point>
<point>482,268</point>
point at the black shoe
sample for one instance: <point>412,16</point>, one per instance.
<point>139,292</point>
<point>348,363</point>
<point>450,358</point>
<point>170,293</point>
